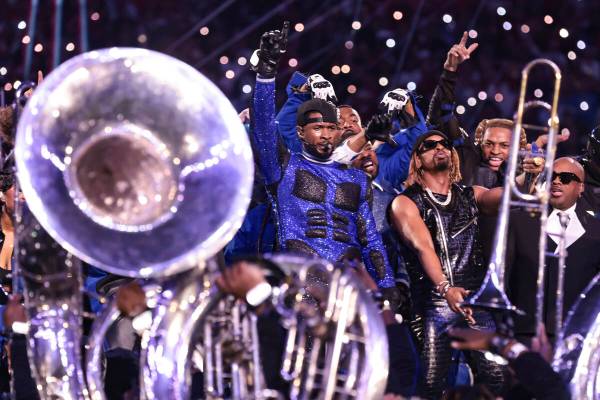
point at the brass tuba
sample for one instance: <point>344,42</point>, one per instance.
<point>134,162</point>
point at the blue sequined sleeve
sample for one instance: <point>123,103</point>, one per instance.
<point>286,118</point>
<point>373,253</point>
<point>269,150</point>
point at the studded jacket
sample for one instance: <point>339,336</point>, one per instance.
<point>454,230</point>
<point>321,209</point>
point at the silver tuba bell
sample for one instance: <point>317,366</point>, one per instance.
<point>134,162</point>
<point>577,356</point>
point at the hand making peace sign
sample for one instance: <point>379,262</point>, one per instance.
<point>459,53</point>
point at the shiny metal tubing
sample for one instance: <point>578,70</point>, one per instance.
<point>491,293</point>
<point>94,350</point>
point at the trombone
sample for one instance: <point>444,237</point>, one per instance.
<point>491,294</point>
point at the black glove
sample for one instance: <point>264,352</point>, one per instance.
<point>272,45</point>
<point>380,128</point>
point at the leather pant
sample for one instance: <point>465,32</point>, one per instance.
<point>436,354</point>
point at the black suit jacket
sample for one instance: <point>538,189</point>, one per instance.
<point>582,264</point>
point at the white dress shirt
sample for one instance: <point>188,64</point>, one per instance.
<point>574,228</point>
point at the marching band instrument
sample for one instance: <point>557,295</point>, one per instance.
<point>491,293</point>
<point>121,155</point>
<point>577,356</point>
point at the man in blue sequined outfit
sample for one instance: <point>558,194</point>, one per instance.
<point>321,206</point>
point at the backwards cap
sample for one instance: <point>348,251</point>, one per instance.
<point>327,110</point>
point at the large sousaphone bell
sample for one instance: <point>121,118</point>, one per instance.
<point>134,162</point>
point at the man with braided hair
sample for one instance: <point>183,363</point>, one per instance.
<point>436,221</point>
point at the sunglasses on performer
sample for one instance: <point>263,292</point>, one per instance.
<point>565,177</point>
<point>432,144</point>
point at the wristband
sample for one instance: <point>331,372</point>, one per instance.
<point>446,289</point>
<point>439,285</point>
<point>258,294</point>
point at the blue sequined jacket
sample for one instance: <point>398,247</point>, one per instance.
<point>321,209</point>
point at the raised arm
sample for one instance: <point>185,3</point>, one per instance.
<point>441,107</point>
<point>268,147</point>
<point>298,93</point>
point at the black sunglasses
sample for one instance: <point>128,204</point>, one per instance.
<point>432,144</point>
<point>565,177</point>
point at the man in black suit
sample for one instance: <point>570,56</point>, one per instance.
<point>582,237</point>
<point>591,163</point>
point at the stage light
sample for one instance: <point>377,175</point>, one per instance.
<point>351,89</point>
<point>229,74</point>
<point>548,19</point>
<point>246,89</point>
<point>411,85</point>
<point>345,68</point>
<point>584,106</point>
<point>501,11</point>
<point>204,31</point>
<point>473,34</point>
<point>299,27</point>
<point>70,46</point>
<point>18,83</point>
<point>335,69</point>
<point>224,60</point>
<point>525,28</point>
<point>580,44</point>
<point>356,25</point>
<point>38,48</point>
<point>383,81</point>
<point>563,33</point>
<point>390,43</point>
<point>95,16</point>
<point>292,62</point>
<point>460,109</point>
<point>142,38</point>
<point>25,39</point>
<point>507,26</point>
<point>498,97</point>
<point>3,71</point>
<point>471,101</point>
<point>482,95</point>
<point>349,44</point>
<point>397,15</point>
<point>447,18</point>
<point>22,25</point>
<point>538,93</point>
<point>242,61</point>
<point>571,55</point>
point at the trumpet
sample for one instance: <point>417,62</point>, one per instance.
<point>491,294</point>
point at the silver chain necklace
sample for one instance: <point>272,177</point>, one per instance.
<point>435,200</point>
